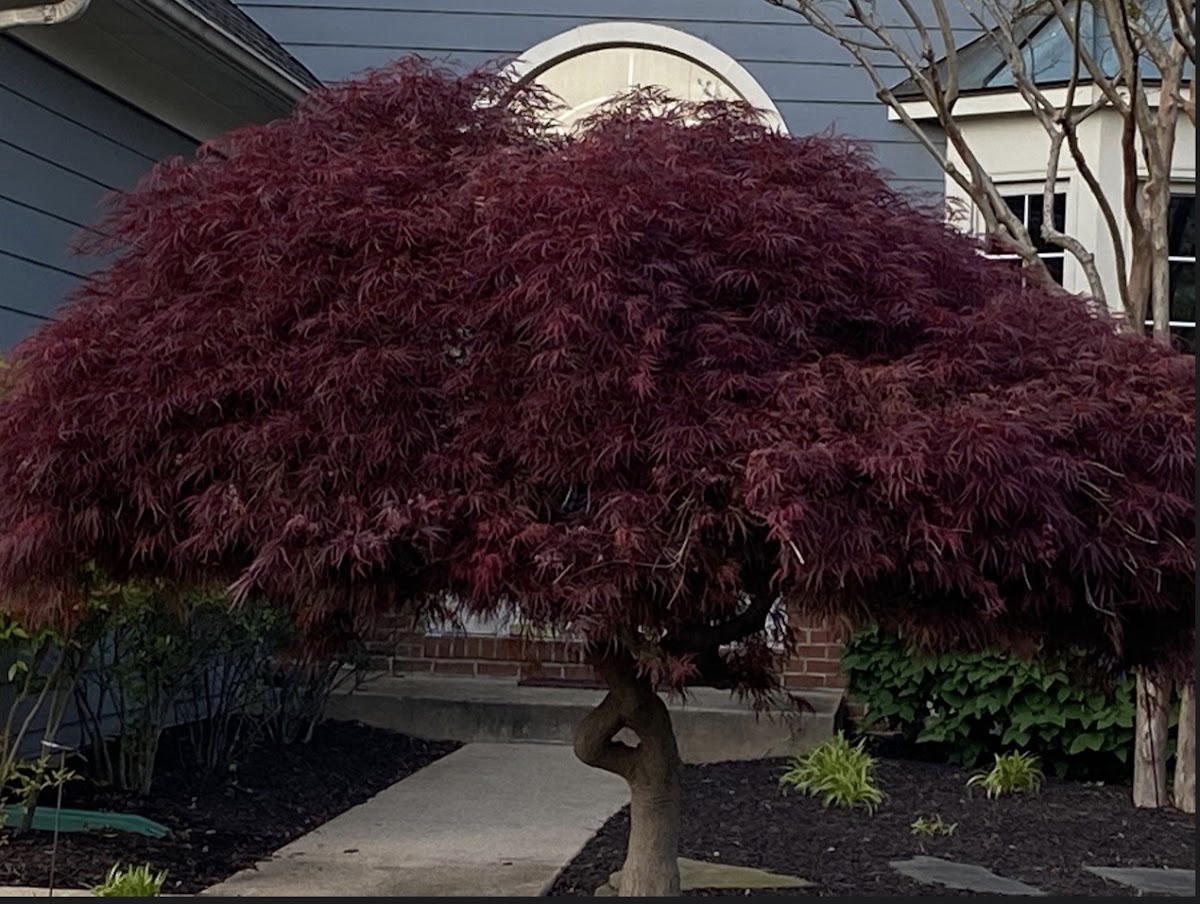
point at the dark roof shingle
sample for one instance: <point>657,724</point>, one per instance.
<point>225,13</point>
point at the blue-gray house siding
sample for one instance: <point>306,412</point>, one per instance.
<point>809,77</point>
<point>64,145</point>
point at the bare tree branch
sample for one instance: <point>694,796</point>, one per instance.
<point>1183,26</point>
<point>1163,36</point>
<point>940,93</point>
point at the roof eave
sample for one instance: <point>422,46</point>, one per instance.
<point>976,100</point>
<point>202,29</point>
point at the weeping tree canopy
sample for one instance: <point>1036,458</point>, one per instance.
<point>644,380</point>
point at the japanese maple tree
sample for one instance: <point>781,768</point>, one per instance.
<point>409,346</point>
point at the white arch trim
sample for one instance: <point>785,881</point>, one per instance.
<point>598,35</point>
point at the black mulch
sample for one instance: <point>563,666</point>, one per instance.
<point>224,824</point>
<point>735,813</point>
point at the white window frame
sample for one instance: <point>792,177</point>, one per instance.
<point>1179,189</point>
<point>1029,190</point>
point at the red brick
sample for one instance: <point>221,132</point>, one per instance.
<point>453,667</point>
<point>487,647</point>
<point>439,647</point>
<point>541,670</point>
<point>411,665</point>
<point>822,635</point>
<point>499,669</point>
<point>822,666</point>
<point>809,651</point>
<point>510,649</point>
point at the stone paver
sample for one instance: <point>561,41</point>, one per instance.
<point>1174,882</point>
<point>961,876</point>
<point>487,820</point>
<point>702,874</point>
<point>29,891</point>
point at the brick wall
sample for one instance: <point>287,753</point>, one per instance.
<point>816,659</point>
<point>399,647</point>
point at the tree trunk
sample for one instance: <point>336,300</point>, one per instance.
<point>652,770</point>
<point>1150,741</point>
<point>1183,795</point>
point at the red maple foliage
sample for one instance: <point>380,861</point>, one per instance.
<point>643,380</point>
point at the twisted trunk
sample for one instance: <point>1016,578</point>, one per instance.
<point>651,769</point>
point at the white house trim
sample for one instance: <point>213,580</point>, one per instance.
<point>1009,100</point>
<point>598,35</point>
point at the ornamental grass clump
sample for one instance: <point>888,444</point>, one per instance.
<point>1012,773</point>
<point>131,882</point>
<point>840,773</point>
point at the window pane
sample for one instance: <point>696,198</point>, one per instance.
<point>1016,203</point>
<point>1182,225</point>
<point>1060,211</point>
<point>1183,292</point>
<point>1037,215</point>
<point>1048,51</point>
<point>1055,266</point>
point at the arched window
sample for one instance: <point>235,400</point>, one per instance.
<point>588,65</point>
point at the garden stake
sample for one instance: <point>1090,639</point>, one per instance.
<point>62,765</point>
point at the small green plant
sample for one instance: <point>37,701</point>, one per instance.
<point>1012,773</point>
<point>132,882</point>
<point>923,827</point>
<point>840,773</point>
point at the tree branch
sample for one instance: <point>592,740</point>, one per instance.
<point>1148,127</point>
<point>701,638</point>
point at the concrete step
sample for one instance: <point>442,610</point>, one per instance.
<point>711,725</point>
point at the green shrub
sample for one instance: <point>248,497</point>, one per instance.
<point>158,656</point>
<point>1012,773</point>
<point>134,882</point>
<point>923,827</point>
<point>34,678</point>
<point>840,773</point>
<point>966,707</point>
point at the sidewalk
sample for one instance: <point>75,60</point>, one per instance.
<point>487,820</point>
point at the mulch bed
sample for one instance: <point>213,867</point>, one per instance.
<point>735,813</point>
<point>223,824</point>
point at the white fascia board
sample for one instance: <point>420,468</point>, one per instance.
<point>1008,101</point>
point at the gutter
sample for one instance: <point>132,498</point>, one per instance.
<point>210,34</point>
<point>46,14</point>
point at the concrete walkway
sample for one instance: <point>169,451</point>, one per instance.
<point>487,820</point>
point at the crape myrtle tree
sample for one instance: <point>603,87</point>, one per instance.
<point>647,380</point>
<point>1133,61</point>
